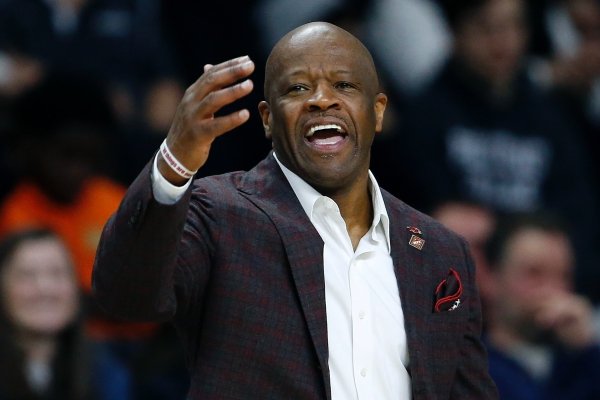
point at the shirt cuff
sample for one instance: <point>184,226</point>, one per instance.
<point>164,191</point>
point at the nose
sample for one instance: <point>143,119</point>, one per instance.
<point>322,98</point>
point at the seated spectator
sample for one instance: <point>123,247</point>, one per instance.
<point>569,65</point>
<point>485,133</point>
<point>540,333</point>
<point>42,347</point>
<point>58,146</point>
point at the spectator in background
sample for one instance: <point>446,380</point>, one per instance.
<point>117,43</point>
<point>58,148</point>
<point>570,65</point>
<point>573,65</point>
<point>42,346</point>
<point>540,333</point>
<point>58,145</point>
<point>485,133</point>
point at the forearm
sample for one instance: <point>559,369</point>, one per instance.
<point>136,258</point>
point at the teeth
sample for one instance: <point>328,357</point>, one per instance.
<point>329,141</point>
<point>323,127</point>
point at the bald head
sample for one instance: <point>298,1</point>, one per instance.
<point>315,38</point>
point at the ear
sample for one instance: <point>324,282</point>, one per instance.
<point>265,116</point>
<point>380,104</point>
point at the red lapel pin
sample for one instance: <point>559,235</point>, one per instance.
<point>414,229</point>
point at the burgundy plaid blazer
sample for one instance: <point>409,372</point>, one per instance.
<point>238,267</point>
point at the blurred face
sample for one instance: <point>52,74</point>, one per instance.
<point>536,266</point>
<point>323,108</point>
<point>65,163</point>
<point>492,40</point>
<point>39,287</point>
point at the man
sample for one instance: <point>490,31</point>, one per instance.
<point>540,337</point>
<point>496,139</point>
<point>299,279</point>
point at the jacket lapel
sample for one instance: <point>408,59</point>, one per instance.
<point>268,188</point>
<point>411,276</point>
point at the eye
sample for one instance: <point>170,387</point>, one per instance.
<point>296,88</point>
<point>343,85</point>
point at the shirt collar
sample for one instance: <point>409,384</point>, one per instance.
<point>308,196</point>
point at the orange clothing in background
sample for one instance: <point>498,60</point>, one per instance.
<point>80,225</point>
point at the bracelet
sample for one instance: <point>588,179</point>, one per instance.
<point>174,163</point>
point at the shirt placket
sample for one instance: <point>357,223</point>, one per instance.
<point>362,330</point>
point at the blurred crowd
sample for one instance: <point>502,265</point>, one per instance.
<point>492,127</point>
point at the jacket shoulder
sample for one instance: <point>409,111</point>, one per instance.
<point>400,211</point>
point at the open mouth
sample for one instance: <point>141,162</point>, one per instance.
<point>326,134</point>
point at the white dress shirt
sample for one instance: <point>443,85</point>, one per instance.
<point>368,354</point>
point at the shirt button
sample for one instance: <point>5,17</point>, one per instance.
<point>363,372</point>
<point>362,315</point>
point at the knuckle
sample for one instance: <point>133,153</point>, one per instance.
<point>189,94</point>
<point>209,78</point>
<point>210,97</point>
<point>239,70</point>
<point>235,89</point>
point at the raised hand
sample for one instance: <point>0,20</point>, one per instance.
<point>194,126</point>
<point>569,316</point>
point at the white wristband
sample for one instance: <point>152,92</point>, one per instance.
<point>174,163</point>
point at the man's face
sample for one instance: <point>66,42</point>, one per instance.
<point>537,265</point>
<point>323,108</point>
<point>493,39</point>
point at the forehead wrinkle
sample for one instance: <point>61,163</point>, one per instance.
<point>308,69</point>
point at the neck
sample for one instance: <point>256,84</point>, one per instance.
<point>37,347</point>
<point>502,91</point>
<point>356,208</point>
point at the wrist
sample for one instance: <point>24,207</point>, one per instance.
<point>171,168</point>
<point>168,173</point>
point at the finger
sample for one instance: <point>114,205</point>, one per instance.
<point>216,100</point>
<point>226,123</point>
<point>221,66</point>
<point>217,78</point>
<point>547,313</point>
<point>561,311</point>
<point>228,63</point>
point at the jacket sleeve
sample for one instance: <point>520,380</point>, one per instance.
<point>136,267</point>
